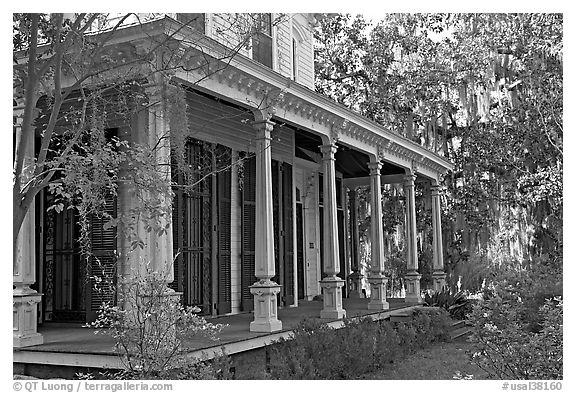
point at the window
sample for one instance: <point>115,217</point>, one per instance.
<point>294,59</point>
<point>195,21</point>
<point>262,40</point>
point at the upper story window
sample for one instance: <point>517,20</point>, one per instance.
<point>294,59</point>
<point>262,39</point>
<point>196,21</point>
<point>298,42</point>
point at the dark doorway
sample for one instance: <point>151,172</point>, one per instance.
<point>75,286</point>
<point>201,227</point>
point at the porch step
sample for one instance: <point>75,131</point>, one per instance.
<point>403,316</point>
<point>460,329</point>
<point>458,324</point>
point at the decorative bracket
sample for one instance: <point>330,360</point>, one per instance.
<point>337,129</point>
<point>271,101</point>
<point>382,150</point>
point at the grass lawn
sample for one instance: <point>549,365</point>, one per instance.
<point>440,361</point>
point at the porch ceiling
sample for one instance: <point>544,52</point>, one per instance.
<point>350,162</point>
<point>353,163</point>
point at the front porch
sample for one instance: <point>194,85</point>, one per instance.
<point>72,345</point>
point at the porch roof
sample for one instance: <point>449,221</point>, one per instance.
<point>247,83</point>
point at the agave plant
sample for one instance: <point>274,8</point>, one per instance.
<point>457,304</point>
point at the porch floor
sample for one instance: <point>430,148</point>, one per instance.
<point>72,345</point>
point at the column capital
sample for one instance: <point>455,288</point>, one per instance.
<point>263,128</point>
<point>375,167</point>
<point>263,115</point>
<point>328,151</point>
<point>409,179</point>
<point>435,189</point>
<point>154,93</point>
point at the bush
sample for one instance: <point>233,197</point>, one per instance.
<point>505,346</point>
<point>457,304</point>
<point>149,325</point>
<point>319,352</point>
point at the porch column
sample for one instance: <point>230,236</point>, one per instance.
<point>161,245</point>
<point>412,277</point>
<point>148,126</point>
<point>376,278</point>
<point>438,275</point>
<point>331,284</point>
<point>355,290</point>
<point>25,299</point>
<point>264,290</point>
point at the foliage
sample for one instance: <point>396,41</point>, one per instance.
<point>507,349</point>
<point>74,83</point>
<point>149,326</point>
<point>518,324</point>
<point>485,91</point>
<point>457,304</point>
<point>320,352</point>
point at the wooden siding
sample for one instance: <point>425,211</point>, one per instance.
<point>284,49</point>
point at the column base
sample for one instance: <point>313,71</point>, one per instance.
<point>265,307</point>
<point>439,278</point>
<point>355,286</point>
<point>413,288</point>
<point>378,292</point>
<point>25,301</point>
<point>332,294</point>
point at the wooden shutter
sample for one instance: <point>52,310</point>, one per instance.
<point>177,232</point>
<point>248,233</point>
<point>321,221</point>
<point>276,209</point>
<point>300,248</point>
<point>224,202</point>
<point>102,266</point>
<point>288,235</point>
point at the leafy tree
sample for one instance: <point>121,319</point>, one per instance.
<point>484,90</point>
<point>72,77</point>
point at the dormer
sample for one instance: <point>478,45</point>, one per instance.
<point>281,42</point>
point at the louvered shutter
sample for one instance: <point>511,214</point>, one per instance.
<point>276,197</point>
<point>177,234</point>
<point>300,248</point>
<point>288,235</point>
<point>102,266</point>
<point>224,241</point>
<point>248,233</point>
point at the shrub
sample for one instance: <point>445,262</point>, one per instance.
<point>457,304</point>
<point>319,352</point>
<point>149,325</point>
<point>506,348</point>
